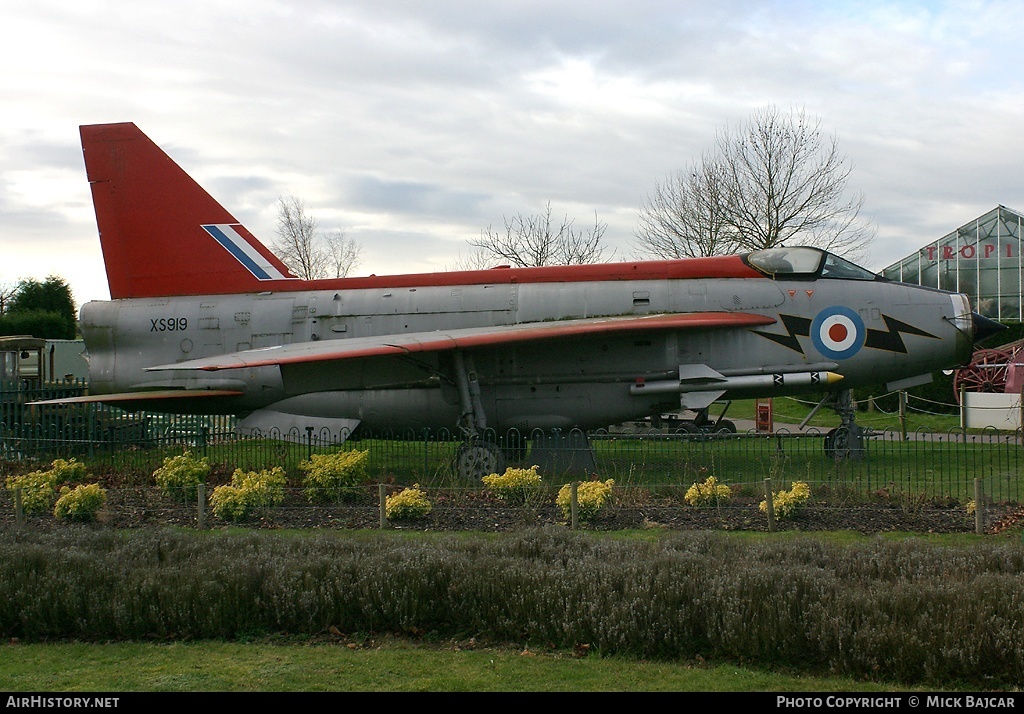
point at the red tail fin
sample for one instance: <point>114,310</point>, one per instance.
<point>161,232</point>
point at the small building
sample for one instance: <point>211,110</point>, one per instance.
<point>64,360</point>
<point>21,357</point>
<point>982,258</point>
<point>26,358</point>
<point>31,369</point>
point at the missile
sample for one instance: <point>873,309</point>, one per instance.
<point>721,383</point>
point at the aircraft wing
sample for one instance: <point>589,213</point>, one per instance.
<point>141,396</point>
<point>464,338</point>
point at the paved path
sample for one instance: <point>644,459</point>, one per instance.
<point>745,426</point>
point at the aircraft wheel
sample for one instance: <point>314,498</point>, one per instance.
<point>725,427</point>
<point>479,459</point>
<point>837,443</point>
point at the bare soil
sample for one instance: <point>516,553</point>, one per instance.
<point>147,507</point>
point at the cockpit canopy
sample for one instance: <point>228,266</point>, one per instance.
<point>807,263</point>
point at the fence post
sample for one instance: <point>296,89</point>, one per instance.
<point>19,510</point>
<point>201,507</point>
<point>903,414</point>
<point>426,452</point>
<point>979,508</point>
<point>770,506</point>
<point>90,428</point>
<point>1020,417</point>
<point>574,504</point>
<point>383,500</point>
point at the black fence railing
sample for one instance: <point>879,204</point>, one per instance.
<point>652,469</point>
<point>16,397</point>
<point>127,448</point>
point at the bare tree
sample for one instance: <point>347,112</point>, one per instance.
<point>771,180</point>
<point>476,259</point>
<point>537,240</point>
<point>686,216</point>
<point>308,253</point>
<point>7,293</point>
<point>296,244</point>
<point>345,254</point>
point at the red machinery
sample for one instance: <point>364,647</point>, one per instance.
<point>994,370</point>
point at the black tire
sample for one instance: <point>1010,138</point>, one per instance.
<point>837,443</point>
<point>475,460</point>
<point>725,427</point>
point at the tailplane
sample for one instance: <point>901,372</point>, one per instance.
<point>162,234</point>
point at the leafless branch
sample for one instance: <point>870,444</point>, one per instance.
<point>343,252</point>
<point>308,253</point>
<point>537,240</point>
<point>773,179</point>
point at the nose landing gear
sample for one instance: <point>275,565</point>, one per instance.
<point>846,441</point>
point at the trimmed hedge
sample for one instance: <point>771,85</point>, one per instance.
<point>905,611</point>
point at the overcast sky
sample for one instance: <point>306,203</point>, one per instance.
<point>412,125</point>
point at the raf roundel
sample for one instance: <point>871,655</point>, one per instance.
<point>838,332</point>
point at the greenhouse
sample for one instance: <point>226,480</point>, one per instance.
<point>982,258</point>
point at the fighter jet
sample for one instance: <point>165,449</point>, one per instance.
<point>205,319</point>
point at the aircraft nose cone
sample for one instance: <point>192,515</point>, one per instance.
<point>984,327</point>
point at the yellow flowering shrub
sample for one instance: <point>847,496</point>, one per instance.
<point>515,485</point>
<point>69,471</point>
<point>329,476</point>
<point>591,497</point>
<point>181,475</point>
<point>81,503</point>
<point>248,492</point>
<point>787,503</point>
<point>39,488</point>
<point>709,493</point>
<point>408,504</point>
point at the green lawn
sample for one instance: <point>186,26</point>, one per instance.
<point>793,410</point>
<point>377,664</point>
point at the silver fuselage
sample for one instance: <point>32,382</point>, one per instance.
<point>586,382</point>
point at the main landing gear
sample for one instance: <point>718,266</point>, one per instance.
<point>701,423</point>
<point>846,441</point>
<point>476,456</point>
<point>482,452</point>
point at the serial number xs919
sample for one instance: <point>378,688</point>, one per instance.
<point>168,324</point>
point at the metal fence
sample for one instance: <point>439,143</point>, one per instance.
<point>131,445</point>
<point>934,465</point>
<point>16,397</point>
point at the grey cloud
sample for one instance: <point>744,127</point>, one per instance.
<point>433,113</point>
<point>405,197</point>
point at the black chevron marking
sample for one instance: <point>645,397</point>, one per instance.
<point>795,327</point>
<point>890,340</point>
